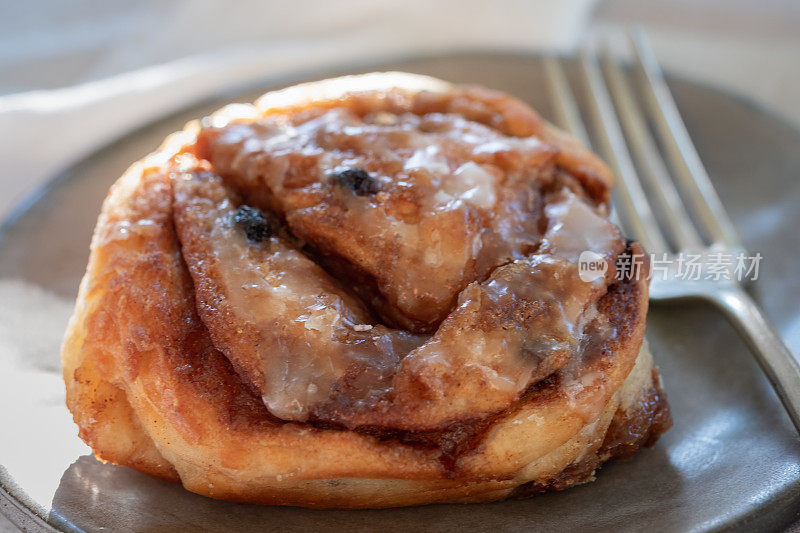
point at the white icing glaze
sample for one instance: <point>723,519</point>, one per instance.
<point>455,204</point>
<point>472,184</point>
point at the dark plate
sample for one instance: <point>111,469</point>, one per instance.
<point>732,460</point>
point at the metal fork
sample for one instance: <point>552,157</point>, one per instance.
<point>622,135</point>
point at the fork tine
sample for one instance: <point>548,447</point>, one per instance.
<point>566,110</point>
<point>632,199</point>
<point>646,154</point>
<point>692,176</point>
<point>568,117</point>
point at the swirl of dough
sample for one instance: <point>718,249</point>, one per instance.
<point>308,345</point>
<point>363,292</point>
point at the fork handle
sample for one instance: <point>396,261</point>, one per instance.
<point>777,362</point>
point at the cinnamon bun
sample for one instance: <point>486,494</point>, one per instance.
<point>363,292</point>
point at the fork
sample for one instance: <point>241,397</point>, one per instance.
<point>622,133</point>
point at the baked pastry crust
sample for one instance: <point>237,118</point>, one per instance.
<point>153,385</point>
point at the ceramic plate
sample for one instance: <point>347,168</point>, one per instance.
<point>732,460</point>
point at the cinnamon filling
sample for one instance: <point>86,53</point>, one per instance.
<point>467,240</point>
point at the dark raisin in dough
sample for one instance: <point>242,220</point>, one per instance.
<point>357,180</point>
<point>254,224</point>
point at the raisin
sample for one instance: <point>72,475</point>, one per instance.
<point>254,224</point>
<point>357,180</point>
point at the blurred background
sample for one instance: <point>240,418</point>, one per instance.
<point>748,46</point>
<point>111,65</point>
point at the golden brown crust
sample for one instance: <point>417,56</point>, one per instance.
<point>139,363</point>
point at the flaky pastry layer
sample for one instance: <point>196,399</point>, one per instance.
<point>152,387</point>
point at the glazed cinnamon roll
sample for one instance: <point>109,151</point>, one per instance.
<point>363,292</point>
